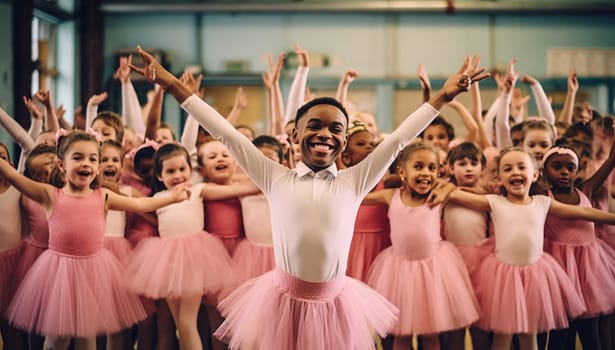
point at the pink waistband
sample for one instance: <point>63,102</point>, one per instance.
<point>301,289</point>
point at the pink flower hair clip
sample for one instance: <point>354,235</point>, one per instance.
<point>59,134</point>
<point>95,134</point>
<point>148,143</point>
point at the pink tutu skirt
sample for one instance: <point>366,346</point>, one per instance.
<point>473,255</point>
<point>591,268</point>
<point>364,249</point>
<point>183,265</point>
<point>230,243</point>
<point>74,296</point>
<point>433,294</point>
<point>120,247</point>
<point>9,260</point>
<point>525,298</point>
<point>30,253</point>
<point>279,311</point>
<point>252,260</point>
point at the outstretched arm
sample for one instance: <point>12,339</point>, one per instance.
<point>155,113</point>
<point>585,213</point>
<point>92,108</point>
<point>260,168</point>
<point>51,121</point>
<point>191,127</point>
<point>467,120</point>
<point>571,94</point>
<point>425,82</point>
<point>342,89</point>
<point>116,201</point>
<point>37,191</point>
<point>131,108</point>
<point>241,102</point>
<point>545,110</point>
<point>275,102</point>
<point>502,125</point>
<point>296,95</point>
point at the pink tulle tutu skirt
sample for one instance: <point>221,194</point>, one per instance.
<point>364,249</point>
<point>74,296</point>
<point>591,268</point>
<point>9,261</point>
<point>433,294</point>
<point>120,247</point>
<point>252,260</point>
<point>279,311</point>
<point>525,298</point>
<point>230,243</point>
<point>30,253</point>
<point>473,255</point>
<point>183,265</point>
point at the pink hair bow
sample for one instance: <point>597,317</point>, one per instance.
<point>60,133</point>
<point>283,139</point>
<point>148,143</point>
<point>95,134</point>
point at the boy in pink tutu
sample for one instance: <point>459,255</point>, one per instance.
<point>307,302</point>
<point>521,290</point>
<point>73,289</point>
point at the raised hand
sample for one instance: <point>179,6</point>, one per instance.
<point>462,80</point>
<point>302,55</point>
<point>241,100</point>
<point>60,112</point>
<point>194,84</point>
<point>35,111</point>
<point>43,96</point>
<point>97,99</point>
<point>511,77</point>
<point>350,75</point>
<point>424,77</point>
<point>573,82</point>
<point>528,79</point>
<point>272,77</point>
<point>123,71</point>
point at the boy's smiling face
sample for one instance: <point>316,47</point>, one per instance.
<point>322,134</point>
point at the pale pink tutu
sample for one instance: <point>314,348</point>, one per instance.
<point>591,268</point>
<point>364,249</point>
<point>120,247</point>
<point>525,298</point>
<point>75,296</point>
<point>9,261</point>
<point>252,260</point>
<point>433,294</point>
<point>183,265</point>
<point>230,243</point>
<point>279,311</point>
<point>473,255</point>
<point>30,253</point>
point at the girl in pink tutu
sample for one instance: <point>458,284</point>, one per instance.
<point>520,289</point>
<point>40,163</point>
<point>308,302</point>
<point>73,289</point>
<point>422,275</point>
<point>371,228</point>
<point>11,248</point>
<point>588,261</point>
<point>184,263</point>
<point>467,228</point>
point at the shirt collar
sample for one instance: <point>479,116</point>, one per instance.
<point>303,170</point>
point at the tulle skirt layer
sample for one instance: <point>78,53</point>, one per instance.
<point>433,295</point>
<point>9,261</point>
<point>252,260</point>
<point>532,298</point>
<point>76,296</point>
<point>364,249</point>
<point>591,268</point>
<point>186,265</point>
<point>279,311</point>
